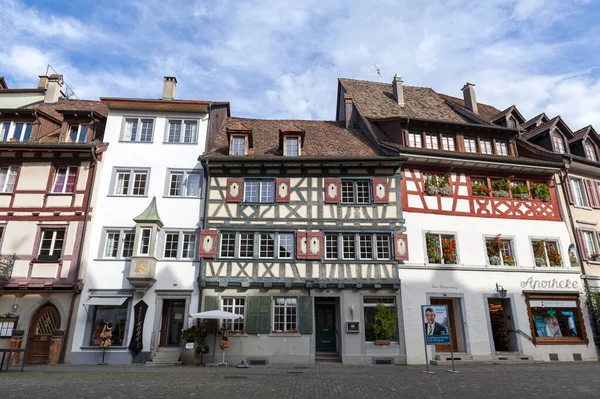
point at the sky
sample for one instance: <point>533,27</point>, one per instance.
<point>281,59</point>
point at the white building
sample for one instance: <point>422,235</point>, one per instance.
<point>150,174</point>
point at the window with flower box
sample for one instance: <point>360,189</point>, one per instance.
<point>479,187</point>
<point>546,253</point>
<point>519,190</point>
<point>441,248</point>
<point>500,251</point>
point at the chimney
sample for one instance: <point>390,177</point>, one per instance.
<point>469,96</point>
<point>169,88</point>
<point>398,89</point>
<point>53,86</point>
<point>43,82</point>
<point>348,108</point>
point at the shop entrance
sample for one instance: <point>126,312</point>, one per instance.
<point>325,327</point>
<point>501,325</point>
<point>46,320</point>
<point>172,322</point>
<point>456,330</point>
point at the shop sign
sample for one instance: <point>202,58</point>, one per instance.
<point>436,324</point>
<point>137,338</point>
<point>551,283</point>
<point>553,304</point>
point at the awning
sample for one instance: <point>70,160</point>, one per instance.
<point>106,301</point>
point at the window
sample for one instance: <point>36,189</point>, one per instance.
<point>171,243</point>
<point>511,123</point>
<point>238,145</point>
<point>180,245</point>
<point>51,244</point>
<point>471,144</point>
<point>145,234</point>
<point>182,131</point>
<point>365,246</point>
<point>8,178</point>
<point>370,308</point>
<point>448,142</point>
<point>78,133</point>
<point>415,139</point>
<point>590,153</point>
<point>267,245</point>
<point>500,251</point>
<point>579,192</point>
<point>115,314</point>
<point>7,324</point>
<point>15,131</point>
<point>184,184</point>
<point>546,253</point>
<point>285,314</point>
<point>557,142</point>
<point>479,187</point>
<point>486,146</point>
<point>357,246</point>
<point>271,245</point>
<point>131,182</point>
<point>291,147</point>
<point>237,306</point>
<point>356,192</point>
<point>259,191</point>
<point>331,246</point>
<point>138,130</point>
<point>501,147</point>
<point>246,245</point>
<point>555,319</point>
<point>431,141</point>
<point>119,244</point>
<point>590,243</point>
<point>441,248</point>
<point>64,180</point>
<point>286,245</point>
<point>227,245</point>
<point>383,246</point>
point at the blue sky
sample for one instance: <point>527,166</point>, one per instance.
<point>281,59</point>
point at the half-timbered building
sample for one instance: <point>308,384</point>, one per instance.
<point>303,234</point>
<point>486,235</point>
<point>50,150</point>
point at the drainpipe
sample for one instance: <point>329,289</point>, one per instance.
<point>79,284</point>
<point>204,163</point>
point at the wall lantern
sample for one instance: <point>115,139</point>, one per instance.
<point>501,291</point>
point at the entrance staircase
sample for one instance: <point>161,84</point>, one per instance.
<point>445,359</point>
<point>327,357</point>
<point>165,356</point>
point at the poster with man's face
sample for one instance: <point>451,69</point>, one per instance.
<point>436,324</point>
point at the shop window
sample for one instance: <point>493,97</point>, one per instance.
<point>555,319</point>
<point>441,248</point>
<point>235,305</point>
<point>369,306</point>
<point>285,314</point>
<point>117,315</point>
<point>500,251</point>
<point>546,253</point>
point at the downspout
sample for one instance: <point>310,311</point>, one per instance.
<point>204,163</point>
<point>78,282</point>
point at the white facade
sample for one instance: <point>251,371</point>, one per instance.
<point>175,277</point>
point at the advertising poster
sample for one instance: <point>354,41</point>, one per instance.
<point>436,326</point>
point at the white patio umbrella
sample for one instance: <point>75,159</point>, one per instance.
<point>221,315</point>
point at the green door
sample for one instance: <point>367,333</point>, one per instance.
<point>325,323</point>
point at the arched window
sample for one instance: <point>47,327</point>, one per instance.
<point>557,142</point>
<point>590,152</point>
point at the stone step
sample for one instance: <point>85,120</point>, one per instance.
<point>161,364</point>
<point>168,349</point>
<point>462,356</point>
<point>327,357</point>
<point>167,354</point>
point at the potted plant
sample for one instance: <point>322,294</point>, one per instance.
<point>554,257</point>
<point>493,250</point>
<point>520,191</point>
<point>540,191</point>
<point>433,253</point>
<point>444,184</point>
<point>449,251</point>
<point>539,253</point>
<point>500,188</point>
<point>431,185</point>
<point>594,256</point>
<point>384,324</point>
<point>480,190</point>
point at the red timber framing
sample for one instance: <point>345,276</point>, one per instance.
<point>461,201</point>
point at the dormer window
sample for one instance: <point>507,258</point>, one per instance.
<point>78,133</point>
<point>590,152</point>
<point>292,146</point>
<point>238,145</point>
<point>512,124</point>
<point>486,146</point>
<point>501,147</point>
<point>291,140</point>
<point>431,141</point>
<point>240,139</point>
<point>15,131</point>
<point>557,142</point>
<point>415,140</point>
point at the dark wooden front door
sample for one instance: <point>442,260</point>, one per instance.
<point>172,321</point>
<point>42,324</point>
<point>325,323</point>
<point>447,302</point>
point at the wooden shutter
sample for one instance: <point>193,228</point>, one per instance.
<point>569,190</point>
<point>211,303</point>
<point>282,190</point>
<point>592,192</point>
<point>235,187</point>
<point>400,246</point>
<point>380,190</point>
<point>208,244</point>
<point>259,315</point>
<point>332,190</point>
<point>301,245</point>
<point>581,244</point>
<point>314,247</point>
<point>306,315</point>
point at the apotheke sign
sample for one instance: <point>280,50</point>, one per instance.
<point>553,283</point>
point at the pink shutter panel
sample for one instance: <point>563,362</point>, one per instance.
<point>400,246</point>
<point>301,245</point>
<point>208,244</point>
<point>569,190</point>
<point>332,190</point>
<point>314,245</point>
<point>282,190</point>
<point>380,190</point>
<point>592,189</point>
<point>235,188</point>
<point>581,244</point>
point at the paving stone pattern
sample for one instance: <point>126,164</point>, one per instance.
<point>543,381</point>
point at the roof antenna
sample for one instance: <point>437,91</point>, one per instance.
<point>378,70</point>
<point>69,92</point>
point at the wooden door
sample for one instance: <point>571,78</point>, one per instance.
<point>448,303</point>
<point>172,322</point>
<point>46,320</point>
<point>325,326</point>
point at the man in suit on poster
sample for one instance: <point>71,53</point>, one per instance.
<point>432,327</point>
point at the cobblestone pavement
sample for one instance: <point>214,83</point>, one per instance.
<point>544,381</point>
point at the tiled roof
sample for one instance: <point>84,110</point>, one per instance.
<point>323,139</point>
<point>534,120</point>
<point>69,105</point>
<point>580,134</point>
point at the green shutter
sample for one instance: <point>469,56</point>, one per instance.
<point>259,312</point>
<point>306,315</point>
<point>211,303</point>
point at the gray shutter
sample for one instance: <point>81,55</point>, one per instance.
<point>211,303</point>
<point>259,312</point>
<point>306,315</point>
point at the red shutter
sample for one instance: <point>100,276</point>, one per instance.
<point>282,190</point>
<point>208,244</point>
<point>235,188</point>
<point>301,244</point>
<point>332,190</point>
<point>569,190</point>
<point>581,244</point>
<point>380,190</point>
<point>314,245</point>
<point>400,246</point>
<point>592,191</point>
